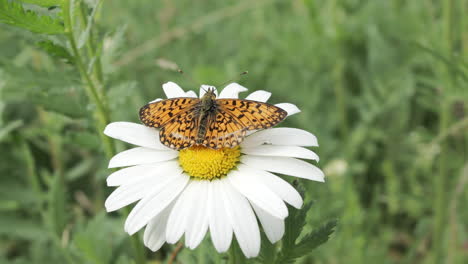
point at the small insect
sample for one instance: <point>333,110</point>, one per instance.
<point>210,122</point>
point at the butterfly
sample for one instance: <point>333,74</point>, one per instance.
<point>207,121</point>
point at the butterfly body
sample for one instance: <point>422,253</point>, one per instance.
<point>209,122</point>
<point>207,106</point>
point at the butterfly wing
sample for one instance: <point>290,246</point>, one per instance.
<point>159,113</point>
<point>228,125</point>
<point>176,117</point>
<point>181,131</point>
<point>223,130</point>
<point>252,114</point>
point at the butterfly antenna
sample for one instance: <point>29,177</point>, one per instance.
<point>237,77</point>
<point>188,77</point>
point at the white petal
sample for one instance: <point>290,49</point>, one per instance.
<point>273,227</point>
<point>191,94</point>
<point>138,172</point>
<point>290,108</point>
<point>277,185</point>
<point>198,224</point>
<point>205,88</point>
<point>125,195</point>
<point>257,193</point>
<point>155,232</point>
<point>220,226</point>
<point>259,96</point>
<point>173,90</point>
<point>281,151</point>
<point>155,100</point>
<point>242,219</point>
<point>134,191</point>
<point>281,136</point>
<point>153,204</point>
<point>135,134</point>
<point>287,166</point>
<point>232,90</point>
<point>179,216</point>
<point>140,155</point>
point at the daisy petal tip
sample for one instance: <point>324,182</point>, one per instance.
<point>191,94</point>
<point>153,249</point>
<point>172,90</point>
<point>108,207</point>
<point>260,96</point>
<point>107,129</point>
<point>298,205</point>
<point>114,129</point>
<point>132,231</point>
<point>232,90</point>
<point>155,100</point>
<point>320,178</point>
<point>112,164</point>
<point>290,108</point>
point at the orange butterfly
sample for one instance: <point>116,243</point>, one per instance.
<point>210,122</point>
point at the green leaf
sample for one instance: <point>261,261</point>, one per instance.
<point>8,128</point>
<point>23,228</point>
<point>43,3</point>
<point>56,51</point>
<point>98,238</point>
<point>293,226</point>
<point>53,90</point>
<point>13,13</point>
<point>267,252</point>
<point>295,223</point>
<point>57,209</point>
<point>84,35</point>
<point>202,254</point>
<point>315,239</point>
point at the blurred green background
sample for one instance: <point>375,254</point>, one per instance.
<point>382,84</point>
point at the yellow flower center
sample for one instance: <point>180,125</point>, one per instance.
<point>206,164</point>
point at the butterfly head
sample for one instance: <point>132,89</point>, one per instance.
<point>208,98</point>
<point>209,92</point>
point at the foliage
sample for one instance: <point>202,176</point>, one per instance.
<point>14,14</point>
<point>381,83</point>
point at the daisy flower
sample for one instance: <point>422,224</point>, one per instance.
<point>227,191</point>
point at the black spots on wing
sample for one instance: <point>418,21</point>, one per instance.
<point>224,125</point>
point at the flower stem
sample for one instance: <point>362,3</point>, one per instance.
<point>101,114</point>
<point>440,181</point>
<point>97,68</point>
<point>440,190</point>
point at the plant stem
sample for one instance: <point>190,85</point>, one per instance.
<point>440,183</point>
<point>97,67</point>
<point>101,113</point>
<point>138,248</point>
<point>441,180</point>
<point>30,164</point>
